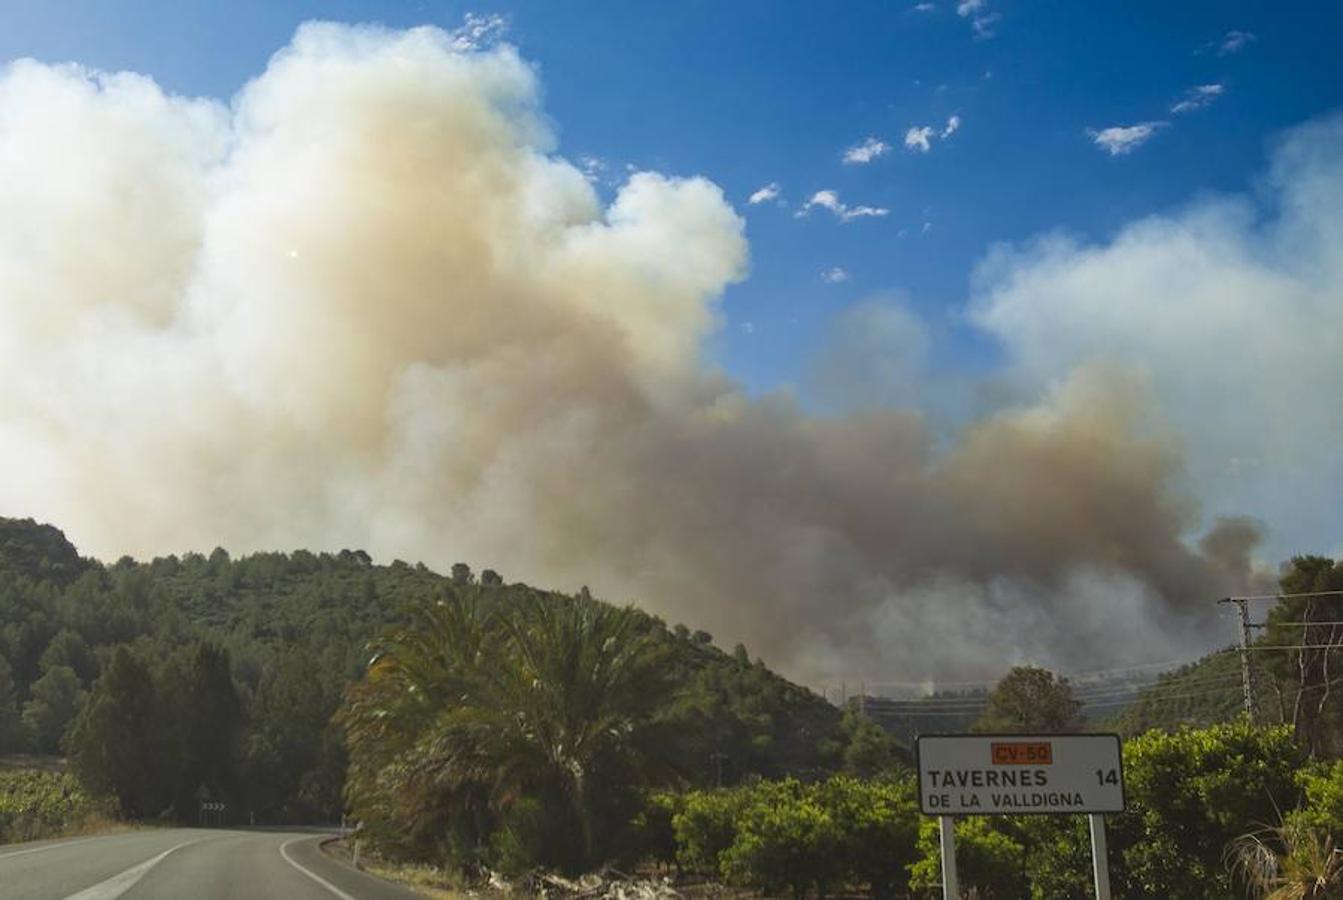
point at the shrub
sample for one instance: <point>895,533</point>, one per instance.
<point>706,826</point>
<point>36,804</point>
<point>777,835</point>
<point>785,838</point>
<point>878,824</point>
<point>988,858</point>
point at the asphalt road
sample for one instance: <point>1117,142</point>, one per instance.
<point>195,863</point>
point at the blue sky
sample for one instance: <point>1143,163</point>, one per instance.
<point>757,93</point>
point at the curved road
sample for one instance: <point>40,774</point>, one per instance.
<point>199,863</point>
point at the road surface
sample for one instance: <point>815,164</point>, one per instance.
<point>195,863</point>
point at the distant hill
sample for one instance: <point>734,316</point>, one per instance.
<point>295,626</point>
<point>39,552</point>
<point>1202,693</point>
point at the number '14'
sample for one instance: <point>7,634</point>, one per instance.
<point>1107,776</point>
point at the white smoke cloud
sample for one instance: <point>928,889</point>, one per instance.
<point>1234,313</point>
<point>365,304</point>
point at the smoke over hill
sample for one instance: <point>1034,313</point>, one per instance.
<point>366,305</point>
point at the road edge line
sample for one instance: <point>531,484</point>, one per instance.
<point>53,846</point>
<point>284,851</point>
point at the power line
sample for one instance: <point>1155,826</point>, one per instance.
<point>1150,693</point>
<point>1072,677</point>
<point>916,708</point>
<point>1162,699</point>
<point>1273,624</point>
<point>1282,596</point>
<point>1246,645</point>
<point>1335,646</point>
<point>1091,691</point>
<point>947,714</point>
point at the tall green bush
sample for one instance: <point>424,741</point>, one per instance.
<point>789,836</point>
<point>989,859</point>
<point>36,804</point>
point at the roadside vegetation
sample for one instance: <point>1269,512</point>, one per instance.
<point>37,802</point>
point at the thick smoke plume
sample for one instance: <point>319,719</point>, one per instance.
<point>366,305</point>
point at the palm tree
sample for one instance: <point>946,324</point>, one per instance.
<point>1290,862</point>
<point>539,702</point>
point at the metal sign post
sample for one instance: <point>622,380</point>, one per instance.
<point>951,887</point>
<point>1100,860</point>
<point>1020,774</point>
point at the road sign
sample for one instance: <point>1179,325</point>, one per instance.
<point>1018,774</point>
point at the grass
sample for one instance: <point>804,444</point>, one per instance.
<point>428,881</point>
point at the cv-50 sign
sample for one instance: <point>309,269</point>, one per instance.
<point>995,774</point>
<point>983,774</point>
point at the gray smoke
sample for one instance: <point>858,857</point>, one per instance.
<point>367,305</point>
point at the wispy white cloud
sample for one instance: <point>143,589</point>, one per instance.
<point>592,167</point>
<point>981,20</point>
<point>924,7</point>
<point>1235,41</point>
<point>861,212</point>
<point>919,138</point>
<point>834,275</point>
<point>867,151</point>
<point>1196,98</point>
<point>1119,140</point>
<point>986,26</point>
<point>478,30</point>
<point>829,199</point>
<point>765,194</point>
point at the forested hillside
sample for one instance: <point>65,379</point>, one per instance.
<point>157,677</point>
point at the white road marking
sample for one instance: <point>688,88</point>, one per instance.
<point>47,847</point>
<point>284,851</point>
<point>119,884</point>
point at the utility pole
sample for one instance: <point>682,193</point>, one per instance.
<point>1246,673</point>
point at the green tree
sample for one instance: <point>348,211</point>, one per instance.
<point>785,838</point>
<point>204,717</point>
<point>1189,795</point>
<point>1030,699</point>
<point>1303,681</point>
<point>989,858</point>
<point>56,699</point>
<point>294,763</point>
<point>115,742</point>
<point>705,825</point>
<point>878,824</point>
<point>11,727</point>
<point>68,649</point>
<point>469,714</point>
<point>1323,787</point>
<point>870,750</point>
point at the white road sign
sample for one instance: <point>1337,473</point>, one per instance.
<point>978,774</point>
